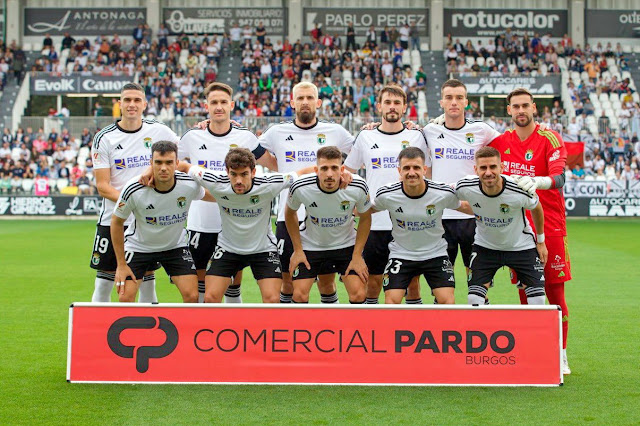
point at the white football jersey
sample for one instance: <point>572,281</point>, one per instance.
<point>206,149</point>
<point>417,231</point>
<point>127,154</point>
<point>295,148</point>
<point>452,152</point>
<point>159,217</point>
<point>501,223</point>
<point>329,223</point>
<point>378,151</point>
<point>246,218</point>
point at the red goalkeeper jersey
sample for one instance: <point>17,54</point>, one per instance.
<point>541,154</point>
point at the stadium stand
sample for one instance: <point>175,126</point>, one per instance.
<point>599,103</point>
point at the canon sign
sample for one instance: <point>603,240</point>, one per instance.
<point>471,22</point>
<point>44,84</point>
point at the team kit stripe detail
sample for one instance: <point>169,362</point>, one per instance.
<point>126,194</point>
<point>552,138</point>
<point>98,137</point>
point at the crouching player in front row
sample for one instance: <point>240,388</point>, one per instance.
<point>157,233</point>
<point>416,205</point>
<point>326,242</point>
<point>503,234</point>
<point>246,239</point>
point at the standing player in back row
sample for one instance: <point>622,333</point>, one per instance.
<point>120,152</point>
<point>378,151</point>
<point>207,148</point>
<point>451,150</point>
<point>539,157</point>
<point>294,145</point>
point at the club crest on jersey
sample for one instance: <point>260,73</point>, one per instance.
<point>95,259</point>
<point>147,142</point>
<point>469,138</point>
<point>431,209</point>
<point>119,163</point>
<point>385,280</point>
<point>504,208</point>
<point>439,152</point>
<point>322,139</point>
<point>254,199</point>
<point>345,205</point>
<point>528,155</point>
<point>404,144</point>
<point>182,202</point>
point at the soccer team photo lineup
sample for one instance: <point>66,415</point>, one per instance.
<point>196,206</point>
<point>316,211</point>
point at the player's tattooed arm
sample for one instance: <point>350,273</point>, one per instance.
<point>103,183</point>
<point>123,271</point>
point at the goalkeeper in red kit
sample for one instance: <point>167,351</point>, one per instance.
<point>539,158</point>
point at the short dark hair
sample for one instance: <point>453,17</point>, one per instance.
<point>219,87</point>
<point>395,90</point>
<point>487,152</point>
<point>453,82</point>
<point>163,147</point>
<point>517,92</point>
<point>132,86</point>
<point>239,157</point>
<point>329,153</point>
<point>411,153</point>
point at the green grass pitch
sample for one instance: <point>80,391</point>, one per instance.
<point>44,266</point>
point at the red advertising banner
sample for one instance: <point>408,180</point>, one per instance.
<point>352,345</point>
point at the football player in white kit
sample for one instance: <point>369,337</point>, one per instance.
<point>416,205</point>
<point>294,145</point>
<point>503,236</point>
<point>326,242</point>
<point>120,152</point>
<point>377,150</point>
<point>207,148</point>
<point>246,239</point>
<point>157,234</point>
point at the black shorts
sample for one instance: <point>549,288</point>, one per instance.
<point>325,262</point>
<point>103,257</point>
<point>399,272</point>
<point>285,246</point>
<point>526,263</point>
<point>226,264</point>
<point>175,262</point>
<point>201,246</point>
<point>376,251</point>
<point>459,232</point>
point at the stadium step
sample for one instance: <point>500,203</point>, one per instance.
<point>435,67</point>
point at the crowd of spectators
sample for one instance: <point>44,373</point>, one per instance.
<point>56,161</point>
<point>13,62</point>
<point>174,70</point>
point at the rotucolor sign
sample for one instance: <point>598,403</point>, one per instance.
<point>271,344</point>
<point>493,22</point>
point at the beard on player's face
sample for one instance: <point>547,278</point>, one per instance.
<point>306,116</point>
<point>522,120</point>
<point>392,117</point>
